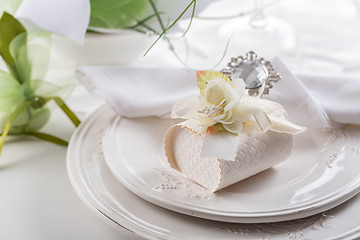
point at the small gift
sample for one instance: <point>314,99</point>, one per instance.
<point>228,135</point>
<point>222,129</point>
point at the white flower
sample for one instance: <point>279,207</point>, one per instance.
<point>227,103</point>
<point>222,103</point>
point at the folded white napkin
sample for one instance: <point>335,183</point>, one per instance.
<point>49,15</point>
<point>139,92</point>
<point>317,100</point>
<point>310,100</point>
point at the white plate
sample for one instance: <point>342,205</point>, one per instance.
<point>322,172</point>
<point>103,194</point>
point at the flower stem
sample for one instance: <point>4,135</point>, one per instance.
<point>142,23</point>
<point>48,138</point>
<point>10,121</point>
<point>165,29</point>
<point>66,110</point>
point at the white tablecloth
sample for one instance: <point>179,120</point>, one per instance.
<point>37,200</point>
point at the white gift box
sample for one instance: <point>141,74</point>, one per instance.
<point>255,153</point>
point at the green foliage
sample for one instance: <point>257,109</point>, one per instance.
<point>10,28</point>
<point>24,93</point>
<point>116,13</point>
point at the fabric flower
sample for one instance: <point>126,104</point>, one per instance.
<point>31,75</point>
<point>226,103</point>
<point>222,104</point>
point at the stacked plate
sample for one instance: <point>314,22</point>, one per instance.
<point>117,166</point>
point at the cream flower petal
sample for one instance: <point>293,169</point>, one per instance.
<point>242,112</point>
<point>239,86</point>
<point>226,122</point>
<point>215,92</point>
<point>218,117</point>
<point>227,116</point>
<point>234,127</point>
<point>230,104</point>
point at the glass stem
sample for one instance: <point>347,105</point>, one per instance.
<point>258,20</point>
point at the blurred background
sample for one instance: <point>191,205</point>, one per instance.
<point>309,35</point>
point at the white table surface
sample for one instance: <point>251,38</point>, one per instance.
<point>37,200</point>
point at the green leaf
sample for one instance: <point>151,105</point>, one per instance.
<point>38,52</point>
<point>10,121</point>
<point>43,136</point>
<point>48,138</point>
<point>19,53</point>
<point>30,119</point>
<point>39,117</point>
<point>10,94</point>
<point>66,110</point>
<point>116,13</point>
<point>9,29</point>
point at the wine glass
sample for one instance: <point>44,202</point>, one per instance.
<point>267,35</point>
